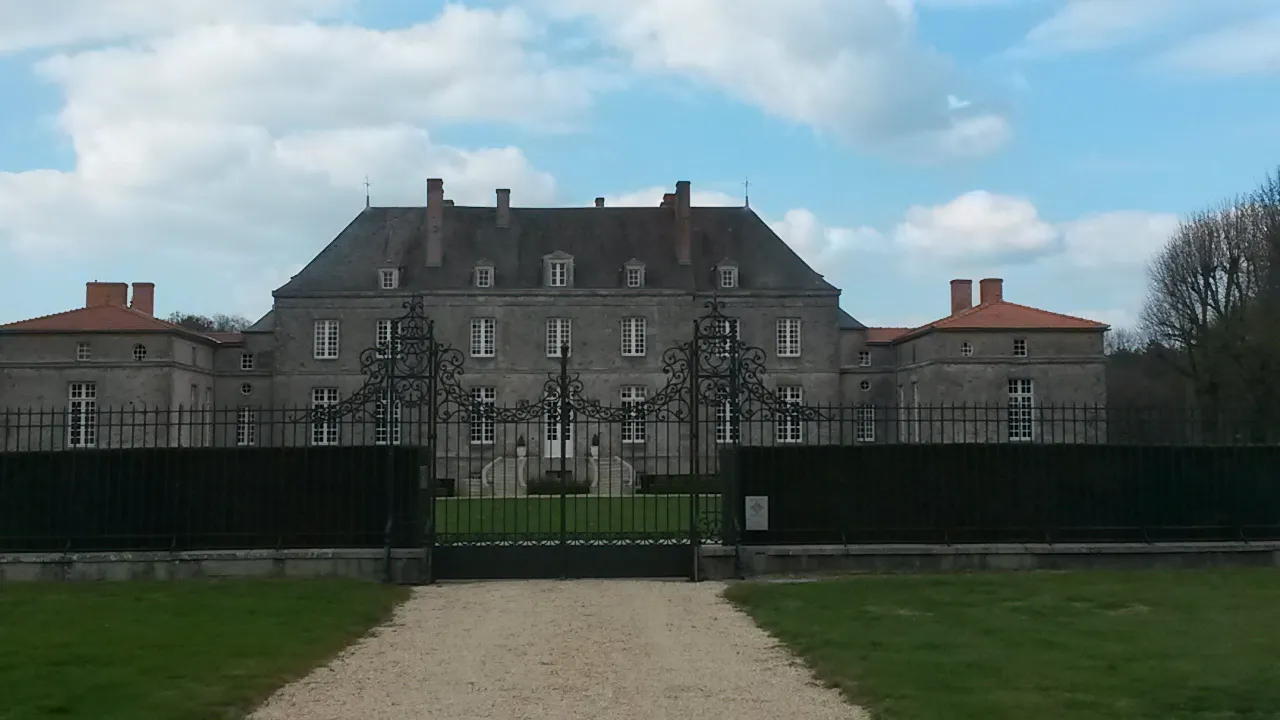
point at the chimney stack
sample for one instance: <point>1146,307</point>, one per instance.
<point>144,298</point>
<point>435,221</point>
<point>668,200</point>
<point>98,294</point>
<point>599,202</point>
<point>961,296</point>
<point>684,224</point>
<point>504,208</point>
<point>991,290</point>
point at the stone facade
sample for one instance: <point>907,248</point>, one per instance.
<point>494,264</point>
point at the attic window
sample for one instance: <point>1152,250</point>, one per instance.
<point>966,349</point>
<point>1020,347</point>
<point>558,273</point>
<point>484,276</point>
<point>139,352</point>
<point>634,276</point>
<point>83,351</point>
<point>389,278</point>
<point>728,277</point>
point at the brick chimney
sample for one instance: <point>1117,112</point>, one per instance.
<point>144,298</point>
<point>991,290</point>
<point>599,202</point>
<point>435,221</point>
<point>504,208</point>
<point>668,200</point>
<point>684,224</point>
<point>961,296</point>
<point>97,294</point>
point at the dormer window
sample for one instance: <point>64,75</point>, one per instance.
<point>633,274</point>
<point>484,275</point>
<point>559,269</point>
<point>727,275</point>
<point>389,278</point>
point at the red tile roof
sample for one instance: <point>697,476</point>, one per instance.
<point>997,315</point>
<point>100,318</point>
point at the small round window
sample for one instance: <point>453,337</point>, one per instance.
<point>246,389</point>
<point>139,352</point>
<point>865,385</point>
<point>966,349</point>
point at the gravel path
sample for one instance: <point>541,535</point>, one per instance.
<point>562,650</point>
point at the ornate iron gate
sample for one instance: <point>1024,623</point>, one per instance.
<point>564,485</point>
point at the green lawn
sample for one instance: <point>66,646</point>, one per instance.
<point>528,517</point>
<point>171,651</point>
<point>1198,645</point>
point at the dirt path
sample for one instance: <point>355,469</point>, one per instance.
<point>562,650</point>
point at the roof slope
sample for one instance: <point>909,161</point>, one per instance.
<point>1004,315</point>
<point>101,318</point>
<point>601,241</point>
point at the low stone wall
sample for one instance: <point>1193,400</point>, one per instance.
<point>723,563</point>
<point>407,566</point>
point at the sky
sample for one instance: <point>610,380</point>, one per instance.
<point>215,146</point>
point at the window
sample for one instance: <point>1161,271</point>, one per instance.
<point>195,356</point>
<point>633,336</point>
<point>246,426</point>
<point>484,276</point>
<point>1021,402</point>
<point>559,334</point>
<point>864,358</point>
<point>633,428</point>
<point>82,415</point>
<point>483,428</point>
<point>1019,347</point>
<point>326,340</point>
<point>789,428</point>
<point>635,277</point>
<point>728,340</point>
<point>966,349</point>
<point>389,278</point>
<point>728,277</point>
<point>865,424</point>
<point>246,361</point>
<point>83,351</point>
<point>324,430</point>
<point>789,337</point>
<point>246,389</point>
<point>558,273</point>
<point>385,431</point>
<point>139,352</point>
<point>726,417</point>
<point>864,386</point>
<point>382,339</point>
<point>483,332</point>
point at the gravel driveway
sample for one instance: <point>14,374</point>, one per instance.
<point>562,650</point>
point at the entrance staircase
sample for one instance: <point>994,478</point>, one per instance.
<point>506,476</point>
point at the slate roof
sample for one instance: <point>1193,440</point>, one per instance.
<point>601,241</point>
<point>266,323</point>
<point>848,322</point>
<point>100,318</point>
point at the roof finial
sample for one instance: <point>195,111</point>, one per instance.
<point>746,192</point>
<point>366,192</point>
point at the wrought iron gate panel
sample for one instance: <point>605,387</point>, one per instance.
<point>564,484</point>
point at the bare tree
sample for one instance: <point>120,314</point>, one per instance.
<point>203,323</point>
<point>1213,299</point>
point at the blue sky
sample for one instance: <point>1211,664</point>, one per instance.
<point>214,146</point>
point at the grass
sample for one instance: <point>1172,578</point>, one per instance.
<point>171,651</point>
<point>583,515</point>
<point>1197,645</point>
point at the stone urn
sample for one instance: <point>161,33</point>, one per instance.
<point>521,448</point>
<point>595,446</point>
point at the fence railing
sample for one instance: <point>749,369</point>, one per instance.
<point>81,425</point>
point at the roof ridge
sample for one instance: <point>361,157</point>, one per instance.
<point>42,317</point>
<point>1050,312</point>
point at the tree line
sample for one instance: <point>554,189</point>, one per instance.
<point>1208,336</point>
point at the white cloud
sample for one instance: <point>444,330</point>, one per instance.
<point>823,246</point>
<point>1239,49</point>
<point>977,224</point>
<point>854,70</point>
<point>31,24</point>
<point>652,197</point>
<point>1116,238</point>
<point>243,148</point>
